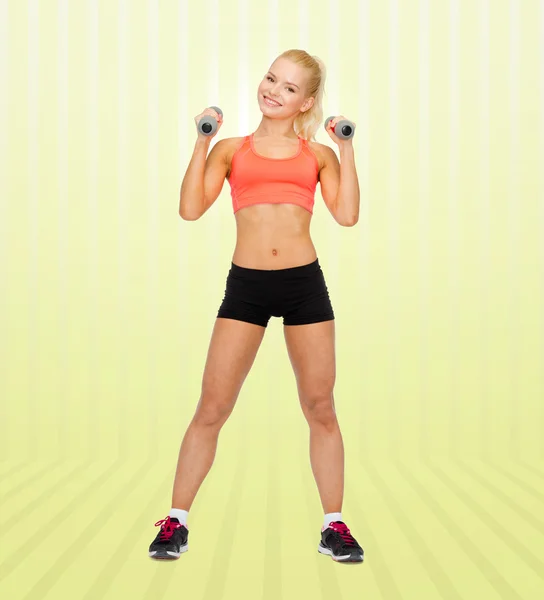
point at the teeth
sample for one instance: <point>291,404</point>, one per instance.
<point>271,102</point>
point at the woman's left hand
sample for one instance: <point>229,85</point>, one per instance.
<point>334,137</point>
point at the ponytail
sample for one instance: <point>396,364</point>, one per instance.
<point>308,122</point>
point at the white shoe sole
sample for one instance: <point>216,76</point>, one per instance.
<point>328,552</point>
<point>172,554</point>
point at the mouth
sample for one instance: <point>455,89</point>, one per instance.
<point>271,103</point>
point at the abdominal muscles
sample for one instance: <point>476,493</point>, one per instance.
<point>273,236</point>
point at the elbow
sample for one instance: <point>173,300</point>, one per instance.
<point>189,213</point>
<point>349,222</point>
<point>187,216</point>
<point>343,213</point>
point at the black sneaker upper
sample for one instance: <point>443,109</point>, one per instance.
<point>172,535</point>
<point>338,538</point>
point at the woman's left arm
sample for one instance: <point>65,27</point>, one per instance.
<point>339,182</point>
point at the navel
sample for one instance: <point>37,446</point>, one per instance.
<point>274,252</point>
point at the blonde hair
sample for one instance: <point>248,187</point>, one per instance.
<point>308,122</point>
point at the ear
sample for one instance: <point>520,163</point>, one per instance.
<point>308,103</point>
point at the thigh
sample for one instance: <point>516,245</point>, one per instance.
<point>246,297</point>
<point>305,299</point>
<point>311,350</point>
<point>232,351</point>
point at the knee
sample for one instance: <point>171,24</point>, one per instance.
<point>319,409</point>
<point>212,411</point>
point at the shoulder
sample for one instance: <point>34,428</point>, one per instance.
<point>228,146</point>
<point>324,154</point>
<point>224,148</point>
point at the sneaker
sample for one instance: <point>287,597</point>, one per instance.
<point>171,540</point>
<point>339,544</point>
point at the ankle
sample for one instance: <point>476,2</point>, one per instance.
<point>332,516</point>
<point>180,514</point>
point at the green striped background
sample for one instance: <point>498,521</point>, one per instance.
<point>108,301</point>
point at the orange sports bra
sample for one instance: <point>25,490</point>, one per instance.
<point>256,179</point>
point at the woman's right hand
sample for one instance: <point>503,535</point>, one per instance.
<point>215,115</point>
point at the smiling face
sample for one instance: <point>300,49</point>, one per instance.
<point>282,92</point>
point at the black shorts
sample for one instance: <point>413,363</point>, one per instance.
<point>298,294</point>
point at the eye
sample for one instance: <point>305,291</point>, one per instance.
<point>291,90</point>
<point>270,78</point>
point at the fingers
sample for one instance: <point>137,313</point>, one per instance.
<point>210,112</point>
<point>335,120</point>
<point>209,121</point>
<point>332,123</point>
<point>213,113</point>
<point>347,128</point>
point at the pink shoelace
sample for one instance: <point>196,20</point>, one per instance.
<point>167,528</point>
<point>344,532</point>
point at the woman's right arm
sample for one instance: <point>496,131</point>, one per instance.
<point>204,177</point>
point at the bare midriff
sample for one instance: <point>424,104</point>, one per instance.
<point>273,236</point>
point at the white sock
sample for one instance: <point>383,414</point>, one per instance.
<point>331,517</point>
<point>180,515</point>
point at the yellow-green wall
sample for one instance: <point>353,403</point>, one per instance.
<point>108,298</point>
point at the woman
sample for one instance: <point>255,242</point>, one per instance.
<point>273,175</point>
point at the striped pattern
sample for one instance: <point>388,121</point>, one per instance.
<point>108,299</point>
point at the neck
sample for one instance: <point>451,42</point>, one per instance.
<point>277,129</point>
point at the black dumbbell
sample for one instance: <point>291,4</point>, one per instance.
<point>208,125</point>
<point>344,129</point>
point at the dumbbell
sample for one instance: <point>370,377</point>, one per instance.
<point>208,125</point>
<point>344,129</point>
